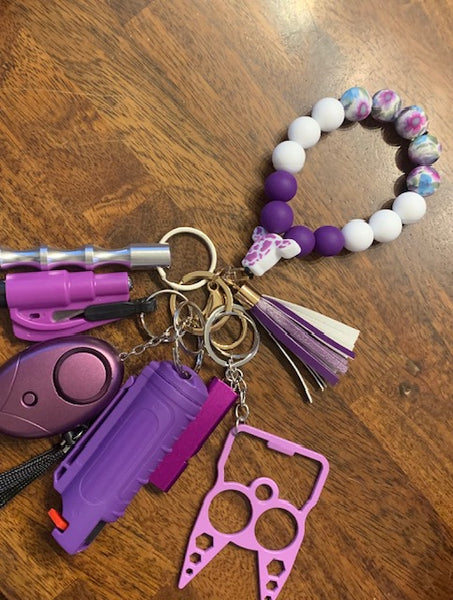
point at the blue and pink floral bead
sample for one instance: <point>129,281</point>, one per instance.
<point>411,122</point>
<point>424,150</point>
<point>357,104</point>
<point>386,104</point>
<point>424,180</point>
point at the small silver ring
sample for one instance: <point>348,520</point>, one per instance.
<point>234,360</point>
<point>158,293</point>
<point>187,287</point>
<point>241,412</point>
<point>180,330</point>
<point>179,343</point>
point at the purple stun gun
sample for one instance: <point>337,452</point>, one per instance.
<point>48,304</point>
<point>126,443</point>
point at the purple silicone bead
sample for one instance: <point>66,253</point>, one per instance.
<point>281,186</point>
<point>329,240</point>
<point>304,237</point>
<point>276,217</point>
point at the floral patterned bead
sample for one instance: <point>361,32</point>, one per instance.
<point>424,150</point>
<point>424,180</point>
<point>411,122</point>
<point>386,105</point>
<point>357,103</point>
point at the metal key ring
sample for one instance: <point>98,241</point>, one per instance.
<point>214,279</point>
<point>234,360</point>
<point>181,330</point>
<point>209,278</point>
<point>212,251</point>
<point>158,293</point>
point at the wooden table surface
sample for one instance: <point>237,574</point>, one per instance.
<point>120,121</point>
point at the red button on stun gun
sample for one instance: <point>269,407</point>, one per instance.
<point>58,520</point>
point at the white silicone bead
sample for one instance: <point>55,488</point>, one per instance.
<point>358,235</point>
<point>386,225</point>
<point>288,156</point>
<point>305,131</point>
<point>410,207</point>
<point>329,113</point>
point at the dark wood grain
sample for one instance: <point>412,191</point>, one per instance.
<point>122,120</point>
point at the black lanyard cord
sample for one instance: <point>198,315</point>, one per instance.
<point>18,478</point>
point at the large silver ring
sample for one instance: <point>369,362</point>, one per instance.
<point>234,360</point>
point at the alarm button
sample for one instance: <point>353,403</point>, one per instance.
<point>82,376</point>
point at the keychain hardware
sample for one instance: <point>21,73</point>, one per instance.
<point>181,329</point>
<point>234,376</point>
<point>236,359</point>
<point>174,333</point>
<point>212,252</point>
<point>166,337</point>
<point>219,295</point>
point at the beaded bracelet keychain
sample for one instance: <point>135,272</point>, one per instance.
<point>277,237</point>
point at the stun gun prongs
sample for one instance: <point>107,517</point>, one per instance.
<point>38,300</point>
<point>107,467</point>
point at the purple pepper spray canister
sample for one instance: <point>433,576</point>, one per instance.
<point>126,443</point>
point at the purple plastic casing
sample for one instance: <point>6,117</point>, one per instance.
<point>53,386</point>
<point>220,400</point>
<point>33,299</point>
<point>107,467</point>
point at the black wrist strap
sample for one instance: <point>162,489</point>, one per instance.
<point>18,478</point>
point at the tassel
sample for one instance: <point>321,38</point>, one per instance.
<point>322,344</point>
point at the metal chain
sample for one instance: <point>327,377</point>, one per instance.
<point>182,326</point>
<point>167,337</point>
<point>174,334</point>
<point>235,378</point>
